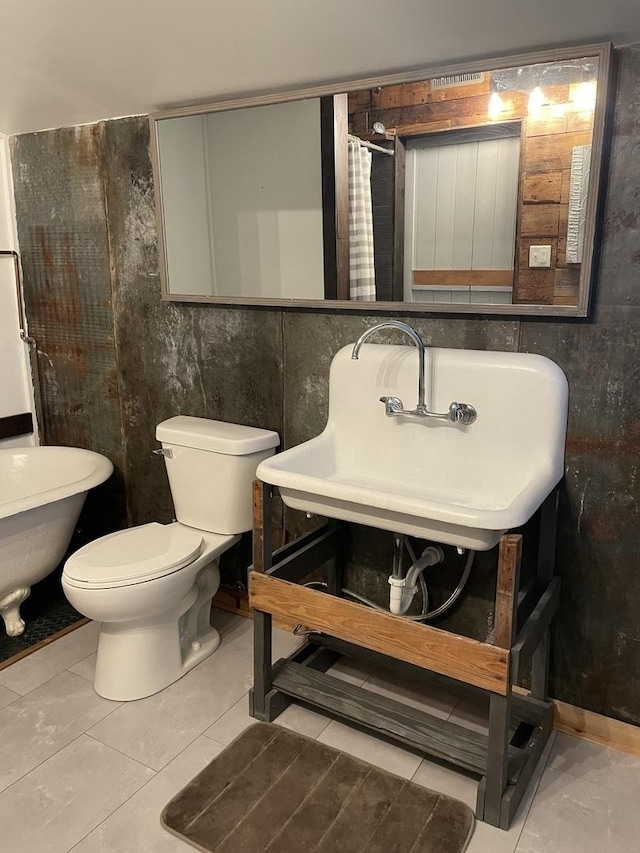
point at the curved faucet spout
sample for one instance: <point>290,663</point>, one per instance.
<point>417,340</point>
<point>459,413</point>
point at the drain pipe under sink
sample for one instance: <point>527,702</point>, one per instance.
<point>402,590</point>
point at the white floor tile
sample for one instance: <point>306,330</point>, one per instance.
<point>351,670</point>
<point>239,631</point>
<point>156,729</point>
<point>390,757</point>
<point>596,764</point>
<point>571,815</point>
<point>447,780</point>
<point>232,628</point>
<point>486,839</point>
<point>86,668</point>
<point>55,805</point>
<point>36,726</point>
<point>303,720</point>
<point>296,717</point>
<point>135,827</point>
<point>284,644</point>
<point>232,723</point>
<point>60,788</point>
<point>34,670</point>
<point>222,619</point>
<point>7,696</point>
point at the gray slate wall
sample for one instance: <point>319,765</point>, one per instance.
<point>123,360</point>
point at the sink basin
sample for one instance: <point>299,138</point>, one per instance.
<point>455,484</point>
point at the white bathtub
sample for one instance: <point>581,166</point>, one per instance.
<point>42,490</point>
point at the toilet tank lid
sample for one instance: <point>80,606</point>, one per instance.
<point>215,436</point>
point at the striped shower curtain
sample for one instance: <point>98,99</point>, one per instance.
<point>362,285</point>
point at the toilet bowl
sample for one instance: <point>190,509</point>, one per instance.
<point>151,586</point>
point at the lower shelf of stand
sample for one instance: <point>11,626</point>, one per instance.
<point>448,741</point>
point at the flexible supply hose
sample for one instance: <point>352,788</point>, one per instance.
<point>455,595</point>
<point>433,614</point>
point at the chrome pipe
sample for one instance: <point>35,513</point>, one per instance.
<point>398,549</point>
<point>417,340</point>
<point>22,320</point>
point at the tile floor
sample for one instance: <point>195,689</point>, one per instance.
<point>80,773</point>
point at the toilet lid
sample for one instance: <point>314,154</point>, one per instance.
<point>135,555</point>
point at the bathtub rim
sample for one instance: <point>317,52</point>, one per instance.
<point>101,471</point>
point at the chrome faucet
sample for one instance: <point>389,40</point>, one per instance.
<point>459,413</point>
<point>417,340</point>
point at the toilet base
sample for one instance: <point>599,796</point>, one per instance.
<point>158,662</point>
<point>141,657</point>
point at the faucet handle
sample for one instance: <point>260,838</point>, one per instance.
<point>392,405</point>
<point>462,413</point>
<point>167,452</point>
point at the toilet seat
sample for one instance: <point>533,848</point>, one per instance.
<point>133,556</point>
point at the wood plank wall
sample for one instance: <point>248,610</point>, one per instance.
<point>411,109</point>
<point>548,142</point>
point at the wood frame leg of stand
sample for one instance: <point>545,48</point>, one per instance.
<point>496,778</point>
<point>265,703</point>
<point>258,696</point>
<point>508,583</point>
<point>498,799</point>
<point>261,693</point>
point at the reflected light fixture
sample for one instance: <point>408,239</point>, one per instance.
<point>537,100</point>
<point>583,95</point>
<point>496,106</point>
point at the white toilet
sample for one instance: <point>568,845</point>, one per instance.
<point>151,586</point>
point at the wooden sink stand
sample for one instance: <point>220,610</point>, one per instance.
<point>519,723</point>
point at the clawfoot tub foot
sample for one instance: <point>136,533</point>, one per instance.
<point>10,610</point>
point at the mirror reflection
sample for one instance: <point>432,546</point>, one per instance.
<point>242,200</point>
<point>470,189</point>
<point>495,183</point>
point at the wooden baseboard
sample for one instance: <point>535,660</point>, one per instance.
<point>233,602</point>
<point>596,728</point>
<point>583,724</point>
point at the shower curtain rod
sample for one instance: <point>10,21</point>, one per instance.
<point>370,145</point>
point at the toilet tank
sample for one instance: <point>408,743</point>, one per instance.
<point>211,466</point>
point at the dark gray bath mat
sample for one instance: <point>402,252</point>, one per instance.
<point>274,791</point>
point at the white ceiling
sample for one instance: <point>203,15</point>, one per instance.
<point>65,62</point>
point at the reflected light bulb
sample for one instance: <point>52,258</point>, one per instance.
<point>496,106</point>
<point>584,95</point>
<point>536,100</point>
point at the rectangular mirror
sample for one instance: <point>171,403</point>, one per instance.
<point>470,188</point>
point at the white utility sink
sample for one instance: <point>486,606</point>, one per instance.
<point>458,484</point>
